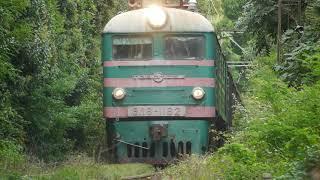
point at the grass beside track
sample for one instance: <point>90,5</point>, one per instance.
<point>81,171</point>
<point>98,171</point>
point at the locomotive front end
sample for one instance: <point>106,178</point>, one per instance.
<point>159,84</point>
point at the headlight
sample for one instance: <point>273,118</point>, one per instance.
<point>198,93</point>
<point>119,93</point>
<point>156,16</point>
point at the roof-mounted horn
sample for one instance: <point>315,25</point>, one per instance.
<point>192,5</point>
<point>135,4</point>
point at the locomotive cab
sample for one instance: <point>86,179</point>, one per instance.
<point>159,84</point>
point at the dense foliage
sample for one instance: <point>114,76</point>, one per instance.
<point>300,40</point>
<point>50,89</point>
<point>302,50</point>
<point>276,133</point>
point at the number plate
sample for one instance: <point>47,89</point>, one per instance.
<point>143,111</point>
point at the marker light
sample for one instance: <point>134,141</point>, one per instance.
<point>156,16</point>
<point>119,93</point>
<point>198,93</point>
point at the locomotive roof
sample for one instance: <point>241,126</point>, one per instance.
<point>178,21</point>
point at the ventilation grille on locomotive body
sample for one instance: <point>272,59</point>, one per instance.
<point>169,149</point>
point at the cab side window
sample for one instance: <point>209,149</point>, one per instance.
<point>184,47</point>
<point>131,48</point>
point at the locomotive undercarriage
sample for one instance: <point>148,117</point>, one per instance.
<point>157,142</point>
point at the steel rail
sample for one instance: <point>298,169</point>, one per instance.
<point>143,176</point>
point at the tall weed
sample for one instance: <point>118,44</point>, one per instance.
<point>278,134</point>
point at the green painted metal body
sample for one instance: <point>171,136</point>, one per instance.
<point>137,131</point>
<point>179,131</point>
<point>160,96</point>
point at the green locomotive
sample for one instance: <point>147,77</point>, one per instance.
<point>165,83</point>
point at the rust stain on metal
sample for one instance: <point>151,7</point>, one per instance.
<point>158,131</point>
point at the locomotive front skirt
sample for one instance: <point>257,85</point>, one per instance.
<point>160,85</point>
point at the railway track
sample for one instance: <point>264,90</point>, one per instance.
<point>153,176</point>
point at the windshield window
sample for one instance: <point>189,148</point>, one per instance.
<point>184,47</point>
<point>132,48</point>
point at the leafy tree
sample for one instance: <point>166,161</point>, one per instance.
<point>260,18</point>
<point>50,72</point>
<point>11,36</point>
<point>302,59</point>
<point>233,8</point>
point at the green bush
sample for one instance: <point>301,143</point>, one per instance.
<point>11,158</point>
<point>279,132</point>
